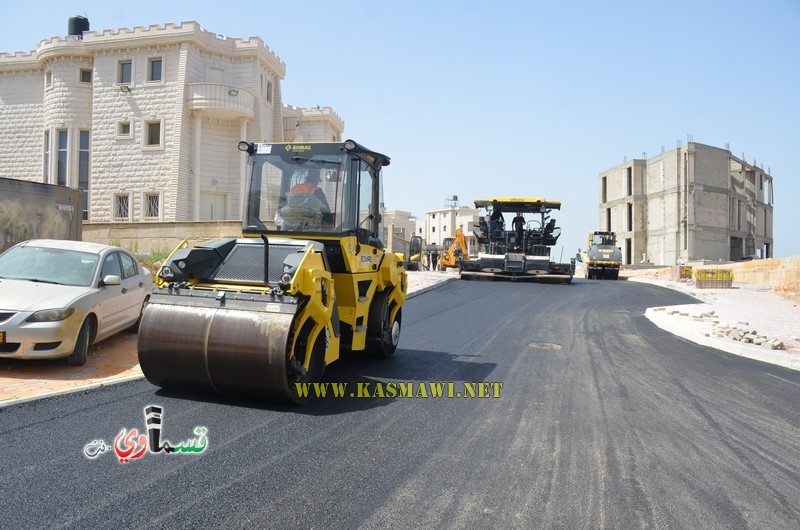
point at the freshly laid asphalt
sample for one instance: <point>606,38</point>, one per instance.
<point>744,307</point>
<point>603,421</point>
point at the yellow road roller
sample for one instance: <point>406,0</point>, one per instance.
<point>309,278</point>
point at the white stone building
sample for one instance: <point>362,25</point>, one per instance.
<point>146,120</point>
<point>442,223</point>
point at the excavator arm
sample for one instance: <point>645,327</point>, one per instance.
<point>456,251</point>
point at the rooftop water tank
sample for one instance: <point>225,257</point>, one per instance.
<point>77,25</point>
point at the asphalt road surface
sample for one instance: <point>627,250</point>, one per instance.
<point>602,420</point>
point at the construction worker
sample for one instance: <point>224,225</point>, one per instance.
<point>518,225</point>
<point>310,186</point>
<point>497,221</point>
<point>434,259</point>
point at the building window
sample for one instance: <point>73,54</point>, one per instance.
<point>630,217</point>
<point>152,133</point>
<point>604,191</point>
<point>433,229</point>
<point>731,212</point>
<point>47,157</point>
<point>124,129</point>
<point>628,251</point>
<point>152,205</point>
<point>608,219</point>
<point>83,171</point>
<point>124,71</point>
<point>433,216</point>
<point>444,228</point>
<point>48,79</point>
<point>85,75</point>
<point>61,170</point>
<point>630,181</point>
<point>269,91</point>
<point>122,210</point>
<point>154,69</point>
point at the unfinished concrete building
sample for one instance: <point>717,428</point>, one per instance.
<point>696,202</point>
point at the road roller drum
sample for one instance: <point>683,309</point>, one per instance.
<point>228,351</point>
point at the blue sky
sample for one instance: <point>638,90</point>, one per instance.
<point>530,98</point>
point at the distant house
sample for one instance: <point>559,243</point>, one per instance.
<point>145,121</point>
<point>443,222</point>
<point>692,203</point>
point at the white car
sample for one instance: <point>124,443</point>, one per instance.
<point>59,297</point>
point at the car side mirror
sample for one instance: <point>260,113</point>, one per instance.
<point>111,279</point>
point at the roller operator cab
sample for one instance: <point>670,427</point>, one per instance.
<point>259,314</point>
<point>414,254</point>
<point>519,250</point>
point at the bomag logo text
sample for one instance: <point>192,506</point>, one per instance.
<point>295,148</point>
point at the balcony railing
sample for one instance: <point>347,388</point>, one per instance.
<point>219,100</point>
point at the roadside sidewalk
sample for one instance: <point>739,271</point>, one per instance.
<point>423,281</point>
<point>115,360</point>
<point>745,320</point>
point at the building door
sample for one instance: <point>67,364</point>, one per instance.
<point>213,206</point>
<point>736,249</point>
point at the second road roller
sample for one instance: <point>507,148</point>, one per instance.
<point>309,278</point>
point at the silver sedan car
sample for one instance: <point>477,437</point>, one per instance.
<point>59,297</point>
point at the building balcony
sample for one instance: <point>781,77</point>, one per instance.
<point>222,101</point>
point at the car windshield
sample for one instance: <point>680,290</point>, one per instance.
<point>49,265</point>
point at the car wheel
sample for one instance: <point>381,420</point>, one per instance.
<point>78,357</point>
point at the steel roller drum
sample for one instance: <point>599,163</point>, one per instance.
<point>215,349</point>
